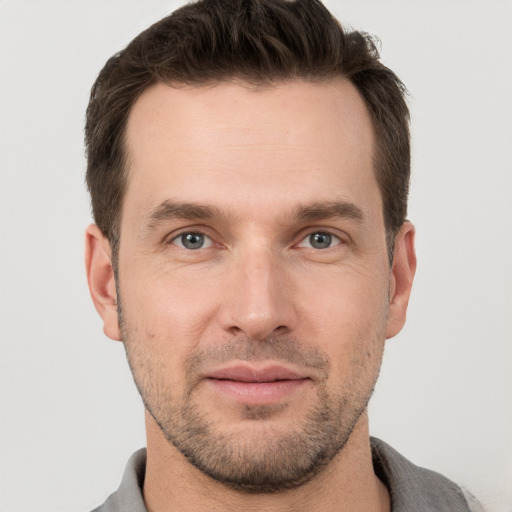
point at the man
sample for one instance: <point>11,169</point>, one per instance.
<point>248,164</point>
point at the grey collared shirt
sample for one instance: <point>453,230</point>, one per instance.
<point>412,489</point>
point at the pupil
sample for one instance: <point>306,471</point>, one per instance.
<point>320,240</point>
<point>192,240</point>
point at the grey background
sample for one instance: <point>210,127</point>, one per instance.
<point>70,415</point>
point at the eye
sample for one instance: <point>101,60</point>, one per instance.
<point>320,240</point>
<point>192,241</point>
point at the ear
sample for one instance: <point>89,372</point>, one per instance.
<point>402,275</point>
<point>100,277</point>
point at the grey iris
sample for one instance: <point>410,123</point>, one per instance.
<point>320,240</point>
<point>192,240</point>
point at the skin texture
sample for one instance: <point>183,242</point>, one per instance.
<point>258,177</point>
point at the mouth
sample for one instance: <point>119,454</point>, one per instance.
<point>256,386</point>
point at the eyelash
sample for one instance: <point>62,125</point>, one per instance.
<point>191,232</point>
<point>331,238</point>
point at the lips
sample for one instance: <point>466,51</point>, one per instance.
<point>250,374</point>
<point>256,386</point>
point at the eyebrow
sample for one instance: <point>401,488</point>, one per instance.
<point>172,210</point>
<point>329,210</point>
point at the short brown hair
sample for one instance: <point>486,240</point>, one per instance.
<point>257,41</point>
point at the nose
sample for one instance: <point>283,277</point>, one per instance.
<point>259,298</point>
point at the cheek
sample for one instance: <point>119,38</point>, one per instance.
<point>354,299</point>
<point>346,313</point>
<point>165,313</point>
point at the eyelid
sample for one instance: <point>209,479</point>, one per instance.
<point>335,237</point>
<point>172,238</point>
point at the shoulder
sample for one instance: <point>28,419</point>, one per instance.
<point>128,497</point>
<point>414,488</point>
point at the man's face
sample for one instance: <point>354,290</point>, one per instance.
<point>253,274</point>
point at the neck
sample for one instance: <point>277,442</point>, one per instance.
<point>347,484</point>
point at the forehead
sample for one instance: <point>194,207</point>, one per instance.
<point>229,143</point>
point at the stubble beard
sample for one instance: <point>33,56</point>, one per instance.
<point>266,461</point>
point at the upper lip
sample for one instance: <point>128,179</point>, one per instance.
<point>244,373</point>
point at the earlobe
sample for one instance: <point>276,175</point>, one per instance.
<point>100,277</point>
<point>402,275</point>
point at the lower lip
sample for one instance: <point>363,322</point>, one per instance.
<point>257,393</point>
